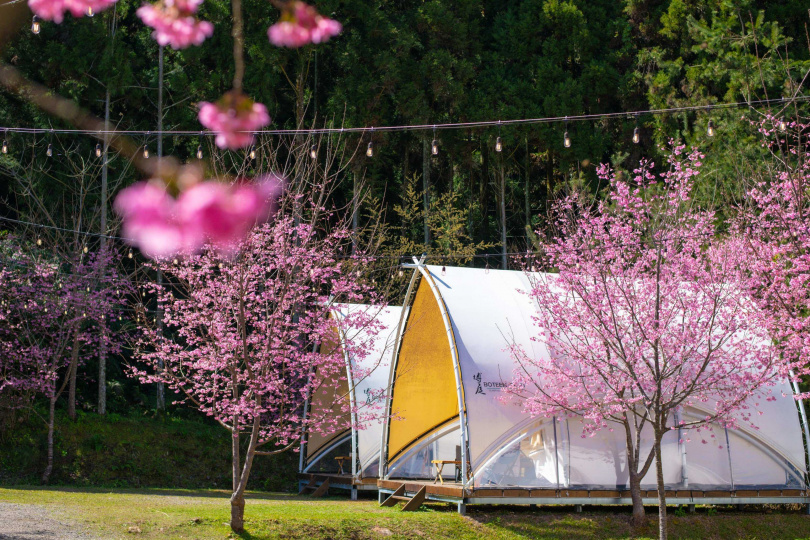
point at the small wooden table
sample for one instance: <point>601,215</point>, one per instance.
<point>439,464</point>
<point>341,460</point>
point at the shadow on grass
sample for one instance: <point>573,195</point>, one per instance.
<point>162,492</point>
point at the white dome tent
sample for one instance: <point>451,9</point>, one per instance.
<point>451,367</point>
<point>364,387</point>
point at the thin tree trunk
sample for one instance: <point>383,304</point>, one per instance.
<point>662,494</point>
<point>160,402</point>
<point>526,201</point>
<point>51,414</point>
<point>240,484</point>
<point>72,370</point>
<point>426,188</point>
<point>639,518</point>
<point>102,350</point>
<point>355,211</point>
<point>503,219</point>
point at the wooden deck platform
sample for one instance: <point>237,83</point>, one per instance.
<point>456,493</point>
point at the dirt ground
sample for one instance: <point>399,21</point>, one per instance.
<point>30,521</point>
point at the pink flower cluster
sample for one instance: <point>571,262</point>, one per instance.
<point>234,117</point>
<point>208,211</point>
<point>54,10</point>
<point>175,22</point>
<point>301,25</point>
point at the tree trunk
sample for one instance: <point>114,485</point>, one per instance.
<point>503,219</point>
<point>662,494</point>
<point>235,458</point>
<point>74,367</point>
<point>238,513</point>
<point>639,518</point>
<point>426,189</point>
<point>51,414</point>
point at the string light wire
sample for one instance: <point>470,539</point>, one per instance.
<point>429,127</point>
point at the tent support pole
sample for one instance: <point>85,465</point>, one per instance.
<point>462,413</point>
<point>350,378</point>
<point>383,466</point>
<point>805,427</point>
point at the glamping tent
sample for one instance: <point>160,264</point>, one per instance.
<point>452,366</point>
<point>354,452</point>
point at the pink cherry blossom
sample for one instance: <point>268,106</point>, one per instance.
<point>647,312</point>
<point>163,226</point>
<point>302,25</point>
<point>234,118</point>
<point>54,10</point>
<point>244,339</point>
<point>175,23</point>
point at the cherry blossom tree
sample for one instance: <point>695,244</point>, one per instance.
<point>249,338</point>
<point>646,313</point>
<point>50,311</point>
<point>776,227</point>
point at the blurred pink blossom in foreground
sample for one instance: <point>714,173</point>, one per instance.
<point>54,10</point>
<point>234,117</point>
<point>175,23</point>
<point>302,25</point>
<point>208,211</point>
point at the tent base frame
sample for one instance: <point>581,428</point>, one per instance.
<point>456,494</point>
<point>338,481</point>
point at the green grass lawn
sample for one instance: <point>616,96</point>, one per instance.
<point>158,513</point>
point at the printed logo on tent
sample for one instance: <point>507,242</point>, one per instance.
<point>371,396</point>
<point>481,384</point>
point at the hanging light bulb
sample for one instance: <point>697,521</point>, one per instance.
<point>252,153</point>
<point>636,136</point>
<point>498,145</point>
<point>219,266</point>
<point>400,272</point>
<point>35,27</point>
<point>129,255</point>
<point>49,151</point>
<point>199,152</point>
<point>90,11</point>
<point>175,262</point>
<point>39,241</point>
<point>145,152</point>
<point>88,289</point>
<point>566,139</point>
<point>486,269</point>
<point>782,125</point>
<point>98,150</point>
<point>434,147</point>
<point>46,310</point>
<point>5,146</point>
<point>710,129</point>
<point>370,149</point>
<point>313,152</point>
<point>85,249</point>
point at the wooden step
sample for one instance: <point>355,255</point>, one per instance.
<point>317,491</point>
<point>417,500</point>
<point>395,496</point>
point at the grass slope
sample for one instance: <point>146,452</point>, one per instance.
<point>133,451</point>
<point>204,514</point>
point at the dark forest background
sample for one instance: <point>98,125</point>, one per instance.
<point>399,63</point>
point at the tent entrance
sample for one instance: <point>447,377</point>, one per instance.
<point>424,393</point>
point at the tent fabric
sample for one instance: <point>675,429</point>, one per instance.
<point>369,378</point>
<point>326,402</point>
<point>420,402</point>
<point>488,311</point>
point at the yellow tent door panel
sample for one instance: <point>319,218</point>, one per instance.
<point>424,394</point>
